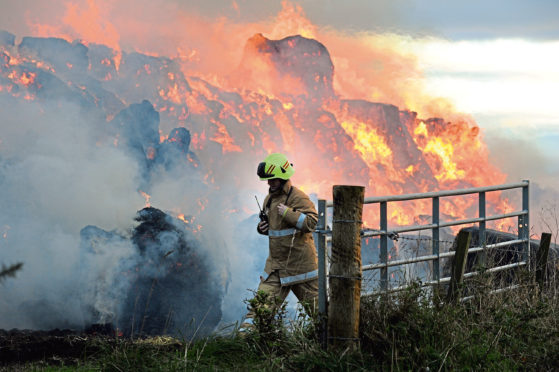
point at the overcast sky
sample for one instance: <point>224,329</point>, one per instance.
<point>457,20</point>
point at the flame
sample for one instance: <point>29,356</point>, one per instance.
<point>194,227</point>
<point>173,94</point>
<point>222,137</point>
<point>150,153</point>
<point>292,20</point>
<point>444,150</point>
<point>421,130</point>
<point>369,143</point>
<point>25,78</point>
<point>147,197</point>
<point>28,78</point>
<point>117,57</point>
<point>261,107</point>
<point>91,23</point>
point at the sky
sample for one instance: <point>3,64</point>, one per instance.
<point>456,20</point>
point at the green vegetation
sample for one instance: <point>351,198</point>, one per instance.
<point>409,330</point>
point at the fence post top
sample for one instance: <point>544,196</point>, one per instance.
<point>348,186</point>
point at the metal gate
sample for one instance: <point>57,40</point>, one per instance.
<point>323,234</point>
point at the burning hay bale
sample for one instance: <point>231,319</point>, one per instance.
<point>166,286</point>
<point>294,60</point>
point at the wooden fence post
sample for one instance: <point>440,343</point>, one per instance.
<point>458,266</point>
<point>541,258</point>
<point>345,268</point>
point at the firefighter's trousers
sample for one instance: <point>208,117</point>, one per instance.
<point>306,293</point>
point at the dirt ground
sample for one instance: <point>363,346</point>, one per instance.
<point>55,347</point>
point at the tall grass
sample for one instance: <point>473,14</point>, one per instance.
<point>413,330</point>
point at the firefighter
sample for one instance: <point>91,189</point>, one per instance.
<point>292,263</point>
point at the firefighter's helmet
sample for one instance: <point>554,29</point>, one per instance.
<point>275,166</point>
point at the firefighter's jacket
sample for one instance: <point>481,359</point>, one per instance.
<point>291,244</point>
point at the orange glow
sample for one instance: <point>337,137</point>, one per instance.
<point>172,94</point>
<point>117,57</point>
<point>421,129</point>
<point>150,153</point>
<point>27,78</point>
<point>91,23</point>
<point>147,197</point>
<point>292,20</point>
<point>202,203</point>
<point>367,141</point>
<point>14,61</point>
<point>444,151</point>
<point>400,217</point>
<point>238,95</point>
<point>222,137</point>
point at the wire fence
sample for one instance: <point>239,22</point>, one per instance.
<point>410,248</point>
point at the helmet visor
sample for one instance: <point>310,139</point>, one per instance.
<point>261,172</point>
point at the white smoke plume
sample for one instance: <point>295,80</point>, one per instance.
<point>63,168</point>
<point>55,180</point>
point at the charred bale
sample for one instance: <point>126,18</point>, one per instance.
<point>175,289</point>
<point>7,38</point>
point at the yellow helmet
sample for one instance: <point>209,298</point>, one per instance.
<point>275,166</point>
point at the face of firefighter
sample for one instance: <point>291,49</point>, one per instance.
<point>275,184</point>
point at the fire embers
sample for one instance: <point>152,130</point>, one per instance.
<point>168,285</point>
<point>136,129</point>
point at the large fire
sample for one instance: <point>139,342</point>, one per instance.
<point>175,124</point>
<point>283,95</point>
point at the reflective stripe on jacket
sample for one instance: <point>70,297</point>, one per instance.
<point>291,244</point>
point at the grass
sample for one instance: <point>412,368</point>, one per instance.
<point>411,330</point>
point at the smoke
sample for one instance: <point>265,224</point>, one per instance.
<point>522,155</point>
<point>75,162</point>
<point>55,180</point>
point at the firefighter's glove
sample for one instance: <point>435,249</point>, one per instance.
<point>263,227</point>
<point>282,209</point>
